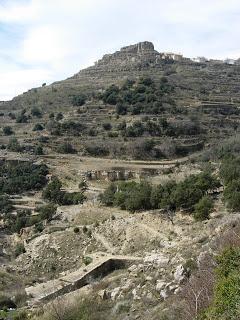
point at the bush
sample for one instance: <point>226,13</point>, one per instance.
<point>6,302</point>
<point>54,194</point>
<point>203,208</point>
<point>23,176</point>
<point>142,196</point>
<point>14,145</point>
<point>5,204</point>
<point>110,96</point>
<point>225,304</point>
<point>72,198</point>
<point>36,112</point>
<point>97,150</point>
<point>53,191</point>
<point>66,148</point>
<point>76,230</point>
<point>79,100</point>
<point>19,249</point>
<point>231,195</point>
<point>47,212</point>
<point>38,127</point>
<point>38,150</point>
<point>87,260</point>
<point>107,126</point>
<point>59,116</point>
<point>51,116</point>
<point>7,131</point>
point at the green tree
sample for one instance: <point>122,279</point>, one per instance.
<point>203,208</point>
<point>53,191</point>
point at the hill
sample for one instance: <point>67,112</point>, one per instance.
<point>119,192</point>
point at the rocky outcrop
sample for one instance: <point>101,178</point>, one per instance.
<point>134,57</point>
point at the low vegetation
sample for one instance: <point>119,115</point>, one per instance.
<point>188,195</point>
<point>55,194</point>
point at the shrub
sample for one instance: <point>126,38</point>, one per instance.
<point>87,260</point>
<point>38,227</point>
<point>38,127</point>
<point>225,304</point>
<point>79,100</point>
<point>72,198</point>
<point>19,249</point>
<point>5,204</point>
<point>230,169</point>
<point>38,150</point>
<point>97,150</point>
<point>142,196</point>
<point>51,116</point>
<point>12,115</point>
<point>14,145</point>
<point>23,176</point>
<point>7,131</point>
<point>53,191</point>
<point>54,194</point>
<point>76,230</point>
<point>36,112</point>
<point>121,109</point>
<point>135,130</point>
<point>47,212</point>
<point>110,95</point>
<point>21,118</point>
<point>59,116</point>
<point>66,147</point>
<point>83,185</point>
<point>107,126</point>
<point>231,195</point>
<point>6,302</point>
<point>203,208</point>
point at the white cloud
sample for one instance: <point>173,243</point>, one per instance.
<point>14,82</point>
<point>58,37</point>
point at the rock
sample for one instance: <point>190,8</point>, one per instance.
<point>164,294</point>
<point>114,293</point>
<point>103,294</point>
<point>149,278</point>
<point>160,285</point>
<point>179,273</point>
<point>132,268</point>
<point>135,296</point>
<point>157,259</point>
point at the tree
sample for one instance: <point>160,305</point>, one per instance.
<point>203,208</point>
<point>53,191</point>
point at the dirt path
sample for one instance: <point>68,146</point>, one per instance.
<point>107,245</point>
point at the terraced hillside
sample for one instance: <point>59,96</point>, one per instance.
<point>186,106</point>
<point>118,188</point>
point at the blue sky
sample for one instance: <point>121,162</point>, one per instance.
<point>48,40</point>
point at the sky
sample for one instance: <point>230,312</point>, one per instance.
<point>49,40</point>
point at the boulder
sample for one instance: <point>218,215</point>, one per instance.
<point>179,274</point>
<point>160,285</point>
